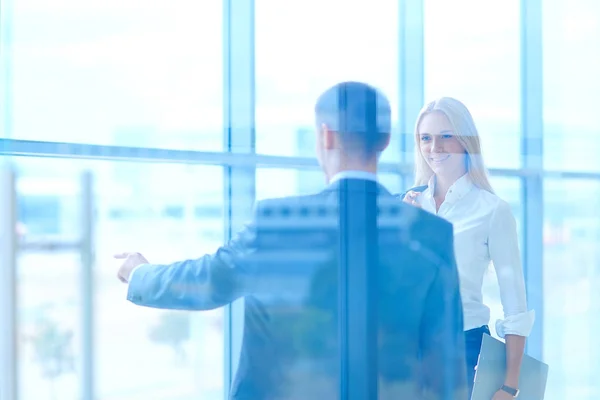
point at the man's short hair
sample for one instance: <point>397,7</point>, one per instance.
<point>359,113</point>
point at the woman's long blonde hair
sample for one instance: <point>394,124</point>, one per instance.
<point>465,132</point>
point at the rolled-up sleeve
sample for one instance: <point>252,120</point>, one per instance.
<point>504,252</point>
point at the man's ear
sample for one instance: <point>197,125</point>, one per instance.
<point>328,137</point>
<point>385,142</point>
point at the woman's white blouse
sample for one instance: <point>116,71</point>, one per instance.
<point>484,230</point>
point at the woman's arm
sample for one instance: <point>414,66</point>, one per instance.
<point>515,347</point>
<point>518,320</point>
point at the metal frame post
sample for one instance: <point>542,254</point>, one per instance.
<point>8,283</point>
<point>239,137</point>
<point>86,247</point>
<point>411,75</point>
<point>532,158</point>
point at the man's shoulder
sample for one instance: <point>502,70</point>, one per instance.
<point>323,206</point>
<point>427,235</point>
<point>296,214</point>
<point>291,204</point>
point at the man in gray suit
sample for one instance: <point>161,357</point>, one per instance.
<point>295,265</point>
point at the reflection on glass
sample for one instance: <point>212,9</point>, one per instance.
<point>132,72</point>
<point>138,353</point>
<point>49,327</point>
<point>571,59</point>
<point>571,295</point>
<point>49,330</point>
<point>296,303</point>
<point>296,62</point>
<point>482,70</point>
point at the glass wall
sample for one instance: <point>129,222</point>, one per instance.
<point>119,120</point>
<point>571,60</point>
<point>472,53</point>
<point>571,220</point>
<point>571,278</point>
<point>137,353</point>
<point>127,73</point>
<point>303,47</point>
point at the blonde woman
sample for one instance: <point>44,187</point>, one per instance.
<point>453,184</point>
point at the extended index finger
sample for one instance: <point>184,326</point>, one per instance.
<point>120,256</point>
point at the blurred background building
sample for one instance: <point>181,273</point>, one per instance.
<point>154,126</point>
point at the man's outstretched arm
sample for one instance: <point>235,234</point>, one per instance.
<point>208,282</point>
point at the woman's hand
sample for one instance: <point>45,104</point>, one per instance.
<point>412,198</point>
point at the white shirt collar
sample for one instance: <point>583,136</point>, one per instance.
<point>459,189</point>
<point>354,175</point>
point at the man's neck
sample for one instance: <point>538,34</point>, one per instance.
<point>353,164</point>
<point>369,167</point>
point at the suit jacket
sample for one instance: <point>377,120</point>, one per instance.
<point>285,264</point>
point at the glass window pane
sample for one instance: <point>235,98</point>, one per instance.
<point>49,327</point>
<point>571,63</point>
<point>392,182</point>
<point>477,61</point>
<point>139,353</point>
<point>571,282</point>
<point>291,182</point>
<point>304,47</point>
<point>127,72</point>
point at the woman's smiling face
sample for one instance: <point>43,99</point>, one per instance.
<point>440,147</point>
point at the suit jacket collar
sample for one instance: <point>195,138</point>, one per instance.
<point>367,183</point>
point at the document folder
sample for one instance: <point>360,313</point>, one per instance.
<point>491,371</point>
